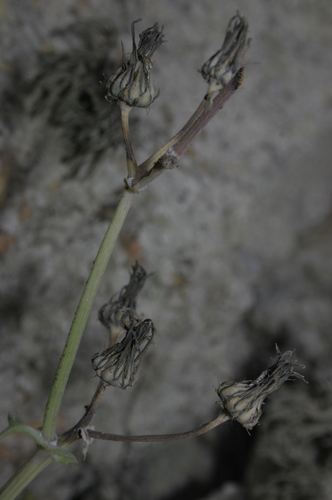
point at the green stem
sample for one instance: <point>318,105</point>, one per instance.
<point>82,314</point>
<point>29,470</point>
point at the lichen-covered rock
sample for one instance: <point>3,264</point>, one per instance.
<point>238,238</point>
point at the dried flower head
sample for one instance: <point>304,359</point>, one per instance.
<point>128,294</point>
<point>118,365</point>
<point>243,400</point>
<point>223,65</point>
<point>131,84</point>
<point>118,310</point>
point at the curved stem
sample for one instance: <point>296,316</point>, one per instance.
<point>150,162</point>
<point>168,155</point>
<point>204,114</point>
<point>82,314</point>
<point>153,438</point>
<point>72,435</point>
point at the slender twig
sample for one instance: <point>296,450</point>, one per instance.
<point>92,408</point>
<point>82,314</point>
<point>168,155</point>
<point>73,434</point>
<point>154,438</point>
<point>204,114</point>
<point>150,162</point>
<point>39,461</point>
<point>131,161</point>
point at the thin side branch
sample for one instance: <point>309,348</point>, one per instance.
<point>155,438</point>
<point>131,161</point>
<point>168,156</point>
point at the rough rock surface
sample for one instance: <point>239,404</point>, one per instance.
<point>238,238</point>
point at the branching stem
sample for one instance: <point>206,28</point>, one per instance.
<point>138,176</point>
<point>82,314</point>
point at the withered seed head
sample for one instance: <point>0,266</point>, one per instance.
<point>223,65</point>
<point>118,365</point>
<point>131,84</point>
<point>121,307</point>
<point>243,400</point>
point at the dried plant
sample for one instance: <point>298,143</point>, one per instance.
<point>132,86</point>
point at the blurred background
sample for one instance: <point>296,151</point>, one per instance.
<point>238,240</point>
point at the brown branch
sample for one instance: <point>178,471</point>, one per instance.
<point>168,156</point>
<point>154,438</point>
<point>73,434</point>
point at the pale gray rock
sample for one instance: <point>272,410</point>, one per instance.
<point>238,239</point>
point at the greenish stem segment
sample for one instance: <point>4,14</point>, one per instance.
<point>82,314</point>
<point>34,466</point>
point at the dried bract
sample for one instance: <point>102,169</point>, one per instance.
<point>120,309</point>
<point>118,365</point>
<point>243,400</point>
<point>223,65</point>
<point>128,294</point>
<point>131,84</point>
